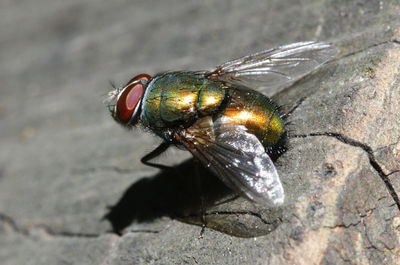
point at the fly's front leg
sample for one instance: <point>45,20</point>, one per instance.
<point>153,154</point>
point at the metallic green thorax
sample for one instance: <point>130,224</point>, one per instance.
<point>179,99</point>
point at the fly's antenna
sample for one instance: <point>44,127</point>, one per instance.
<point>111,95</point>
<point>112,84</point>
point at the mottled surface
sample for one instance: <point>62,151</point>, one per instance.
<point>64,162</point>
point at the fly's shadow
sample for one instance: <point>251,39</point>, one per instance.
<point>173,192</point>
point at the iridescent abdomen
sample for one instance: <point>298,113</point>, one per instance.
<point>179,99</point>
<point>257,113</point>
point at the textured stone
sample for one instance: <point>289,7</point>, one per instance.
<point>73,190</point>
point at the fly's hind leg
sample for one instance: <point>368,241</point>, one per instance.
<point>153,154</point>
<point>201,197</point>
<point>290,108</point>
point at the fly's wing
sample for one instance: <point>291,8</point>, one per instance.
<point>236,157</point>
<point>274,68</point>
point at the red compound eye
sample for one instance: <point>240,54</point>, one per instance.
<point>130,97</point>
<point>145,77</point>
<point>128,101</point>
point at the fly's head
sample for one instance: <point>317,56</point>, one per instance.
<point>124,103</point>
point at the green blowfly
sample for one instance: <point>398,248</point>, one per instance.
<point>222,116</point>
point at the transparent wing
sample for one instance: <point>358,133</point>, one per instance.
<point>274,68</point>
<point>237,158</point>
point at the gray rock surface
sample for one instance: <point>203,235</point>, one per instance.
<point>64,162</point>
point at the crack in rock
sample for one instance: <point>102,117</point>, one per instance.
<point>372,244</point>
<point>4,218</point>
<point>10,222</point>
<point>257,215</point>
<point>103,168</point>
<point>346,140</point>
<point>361,220</point>
<point>146,231</point>
<point>364,49</point>
<point>393,172</point>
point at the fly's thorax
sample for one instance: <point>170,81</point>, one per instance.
<point>178,99</point>
<point>257,113</point>
<point>150,113</point>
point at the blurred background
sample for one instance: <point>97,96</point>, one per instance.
<point>63,160</point>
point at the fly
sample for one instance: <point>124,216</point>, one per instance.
<point>222,116</point>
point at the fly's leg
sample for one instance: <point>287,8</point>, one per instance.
<point>292,108</point>
<point>199,187</point>
<point>156,152</point>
